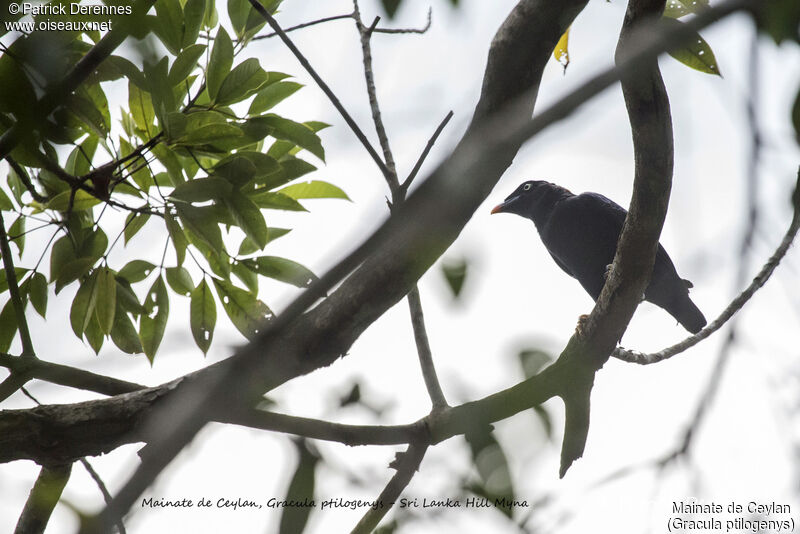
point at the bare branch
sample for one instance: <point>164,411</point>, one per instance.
<point>406,463</point>
<point>315,429</point>
<point>365,33</point>
<point>304,25</point>
<point>424,351</point>
<point>424,155</point>
<point>65,375</point>
<point>43,498</point>
<point>758,282</point>
<point>421,30</point>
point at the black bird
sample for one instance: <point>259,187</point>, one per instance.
<point>581,232</point>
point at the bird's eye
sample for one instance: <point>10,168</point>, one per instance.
<point>527,187</point>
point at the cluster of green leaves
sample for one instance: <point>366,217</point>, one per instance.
<point>189,158</point>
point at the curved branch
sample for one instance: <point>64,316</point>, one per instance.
<point>758,282</point>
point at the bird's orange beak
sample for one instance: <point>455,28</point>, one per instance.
<point>498,208</point>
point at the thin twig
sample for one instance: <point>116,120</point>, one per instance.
<point>424,351</point>
<point>16,298</point>
<point>322,85</point>
<point>102,487</point>
<point>406,463</point>
<point>398,198</point>
<point>424,155</point>
<point>364,33</point>
<point>304,25</point>
<point>424,29</point>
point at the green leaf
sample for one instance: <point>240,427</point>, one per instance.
<point>136,270</point>
<point>128,300</point>
<point>291,169</point>
<point>16,234</point>
<point>247,245</point>
<point>313,189</point>
<point>185,63</point>
<point>238,11</point>
<point>8,326</point>
<point>193,12</point>
<point>220,63</point>
<point>780,19</point>
<point>297,133</point>
<point>696,53</point>
<point>106,304</point>
<point>62,253</point>
<point>19,271</point>
<point>94,336</point>
<point>282,269</point>
<point>177,236</point>
<point>211,133</point>
<point>198,221</point>
<point>81,201</point>
<point>246,312</point>
<point>141,107</point>
<point>272,95</point>
<point>180,280</point>
<point>168,24</point>
<point>243,81</point>
<point>275,201</point>
<point>247,276</point>
<point>38,293</point>
<point>391,6</point>
<point>5,202</point>
<point>134,223</point>
<point>244,166</point>
<point>678,8</point>
<point>72,271</point>
<point>202,190</point>
<point>202,315</point>
<point>124,333</point>
<point>455,272</point>
<point>301,487</point>
<point>248,217</point>
<point>83,305</point>
<point>154,321</point>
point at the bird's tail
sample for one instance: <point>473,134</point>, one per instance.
<point>689,315</point>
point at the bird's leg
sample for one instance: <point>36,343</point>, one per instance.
<point>580,328</point>
<point>607,272</point>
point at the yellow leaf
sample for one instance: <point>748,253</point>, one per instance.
<point>561,51</point>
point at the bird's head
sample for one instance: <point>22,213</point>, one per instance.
<point>530,197</point>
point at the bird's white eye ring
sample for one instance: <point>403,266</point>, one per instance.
<point>527,187</point>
